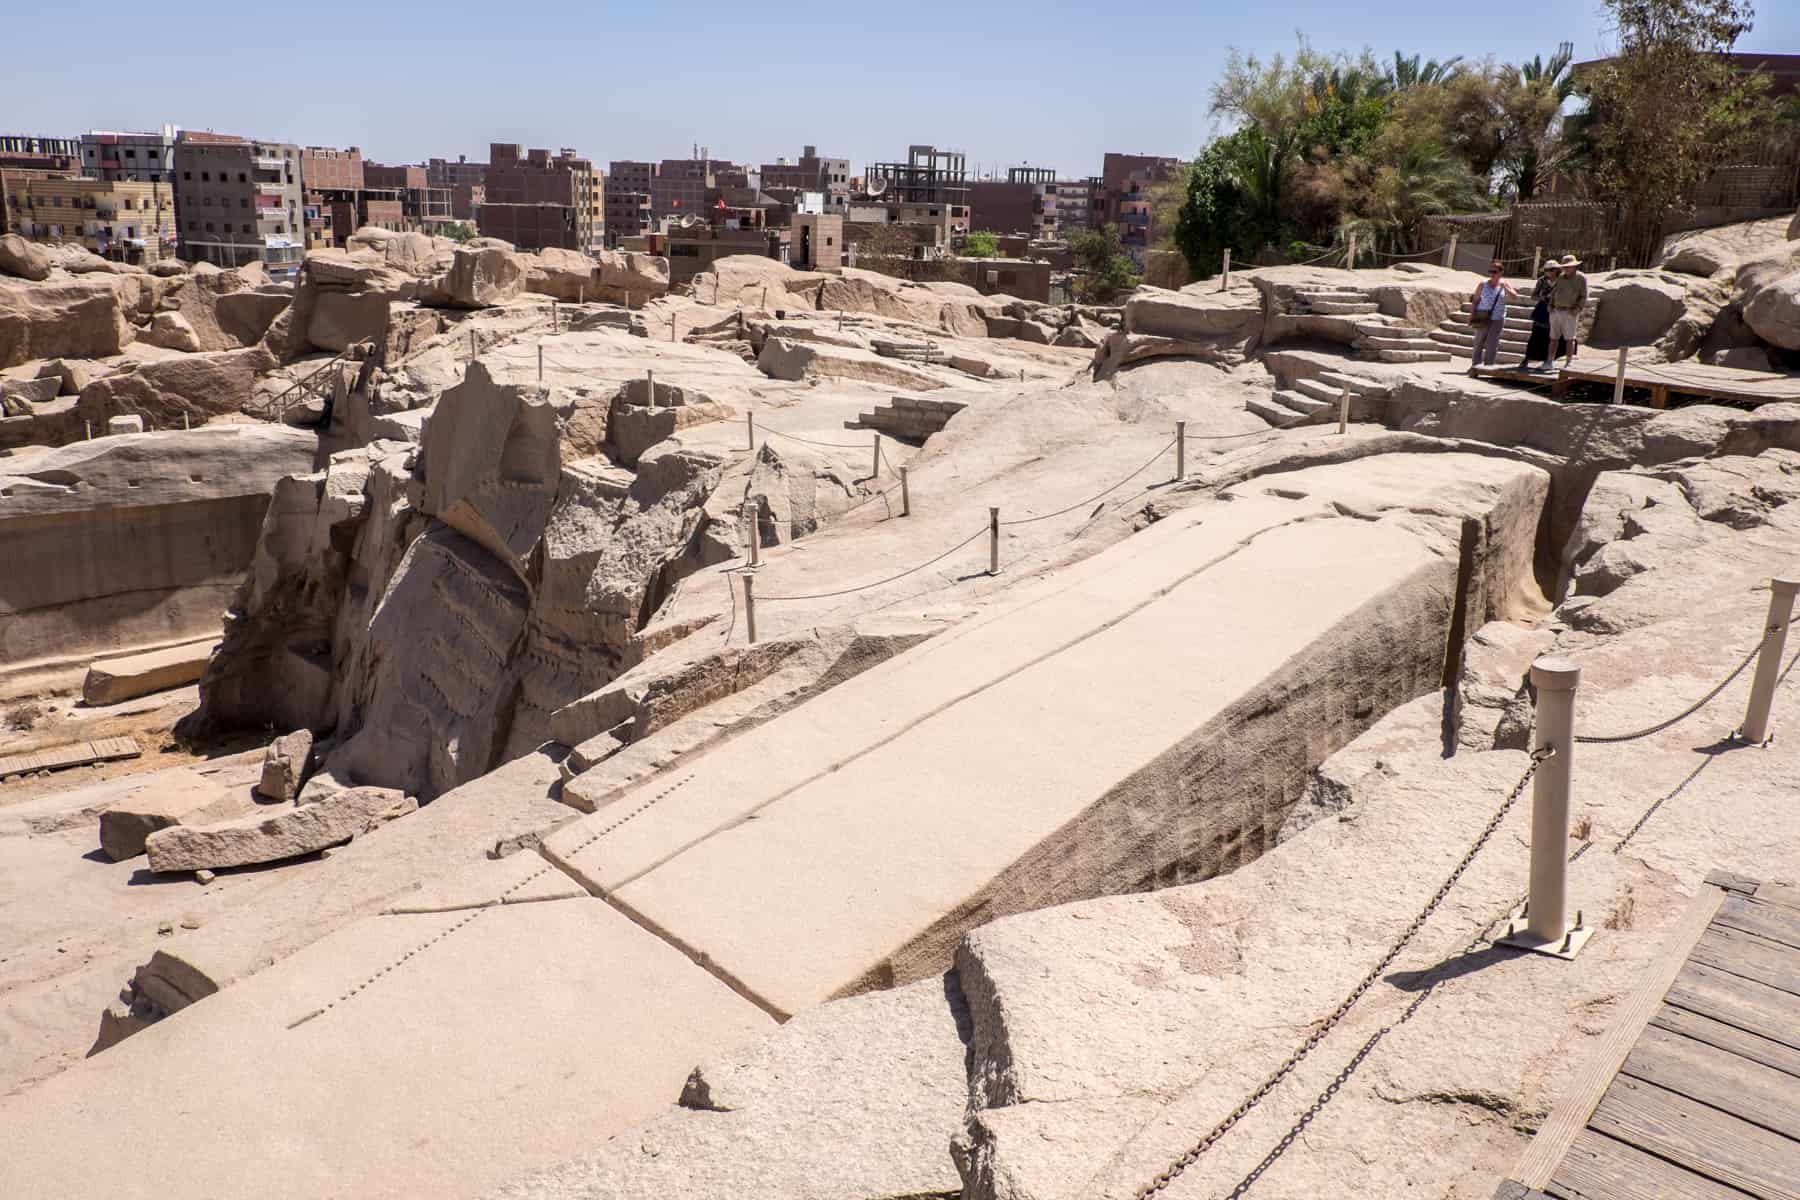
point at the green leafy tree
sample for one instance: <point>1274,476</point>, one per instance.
<point>457,231</point>
<point>981,244</point>
<point>1106,269</point>
<point>1667,108</point>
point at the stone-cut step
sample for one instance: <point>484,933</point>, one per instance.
<point>1317,390</point>
<point>1334,295</point>
<point>1401,343</point>
<point>1272,410</point>
<point>1358,386</point>
<point>1300,402</point>
<point>1411,356</point>
<point>1462,322</point>
<point>1342,308</point>
<point>1466,341</point>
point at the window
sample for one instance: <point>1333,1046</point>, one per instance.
<point>243,178</point>
<point>243,202</point>
<point>245,228</point>
<point>188,175</point>
<point>209,227</point>
<point>192,225</point>
<point>131,154</point>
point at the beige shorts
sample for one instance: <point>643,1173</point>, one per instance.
<point>1565,323</point>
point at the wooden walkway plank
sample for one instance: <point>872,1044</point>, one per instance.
<point>1719,1078</point>
<point>75,754</point>
<point>1699,1138</point>
<point>1779,893</point>
<point>1599,1168</point>
<point>1753,1007</point>
<point>1777,922</point>
<point>1732,1040</point>
<point>1752,957</point>
<point>1571,1112</point>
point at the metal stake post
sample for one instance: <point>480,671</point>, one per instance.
<point>471,345</point>
<point>1547,929</point>
<point>1537,261</point>
<point>905,495</point>
<point>752,534</point>
<point>1225,275</point>
<point>750,606</point>
<point>1344,411</point>
<point>750,424</point>
<point>1180,451</point>
<point>540,364</point>
<point>1450,252</point>
<point>1768,662</point>
<point>555,324</point>
<point>993,541</point>
<point>1619,379</point>
<point>876,469</point>
<point>650,387</point>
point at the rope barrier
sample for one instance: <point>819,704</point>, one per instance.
<point>809,441</point>
<point>863,587</point>
<point>1096,496</point>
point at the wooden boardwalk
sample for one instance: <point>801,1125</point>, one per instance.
<point>1695,1092</point>
<point>75,754</point>
<point>1731,385</point>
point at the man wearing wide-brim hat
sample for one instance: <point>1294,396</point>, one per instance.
<point>1566,301</point>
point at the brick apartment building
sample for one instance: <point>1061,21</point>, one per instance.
<point>331,182</point>
<point>122,219</point>
<point>443,173</point>
<point>1127,181</point>
<point>423,207</point>
<point>25,157</point>
<point>628,200</point>
<point>146,157</point>
<point>810,174</point>
<point>536,201</point>
<point>238,200</point>
<point>1024,202</point>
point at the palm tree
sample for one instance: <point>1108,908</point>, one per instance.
<point>1533,146</point>
<point>1426,180</point>
<point>1408,73</point>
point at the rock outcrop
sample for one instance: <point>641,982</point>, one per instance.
<point>61,318</point>
<point>194,386</point>
<point>123,541</point>
<point>22,259</point>
<point>433,605</point>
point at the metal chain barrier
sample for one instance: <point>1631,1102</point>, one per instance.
<point>1696,706</point>
<point>1485,935</point>
<point>1174,1170</point>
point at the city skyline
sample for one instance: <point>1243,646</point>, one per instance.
<point>1003,84</point>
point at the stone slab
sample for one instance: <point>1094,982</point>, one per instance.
<point>110,680</point>
<point>516,1040</point>
<point>287,833</point>
<point>179,797</point>
<point>850,841</point>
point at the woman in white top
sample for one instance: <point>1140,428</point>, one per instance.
<point>1487,309</point>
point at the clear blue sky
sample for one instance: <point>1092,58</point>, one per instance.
<point>1051,83</point>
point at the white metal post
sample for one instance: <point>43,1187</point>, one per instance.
<point>1225,275</point>
<point>1344,411</point>
<point>1180,451</point>
<point>875,470</point>
<point>1619,379</point>
<point>649,388</point>
<point>1547,929</point>
<point>750,606</point>
<point>905,495</point>
<point>471,345</point>
<point>993,541</point>
<point>555,324</point>
<point>1537,263</point>
<point>1450,252</point>
<point>1768,662</point>
<point>540,364</point>
<point>752,534</point>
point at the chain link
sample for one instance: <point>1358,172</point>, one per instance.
<point>1696,706</point>
<point>1318,1035</point>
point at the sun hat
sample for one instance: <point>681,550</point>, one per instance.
<point>1569,260</point>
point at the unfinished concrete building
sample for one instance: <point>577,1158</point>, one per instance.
<point>535,201</point>
<point>239,201</point>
